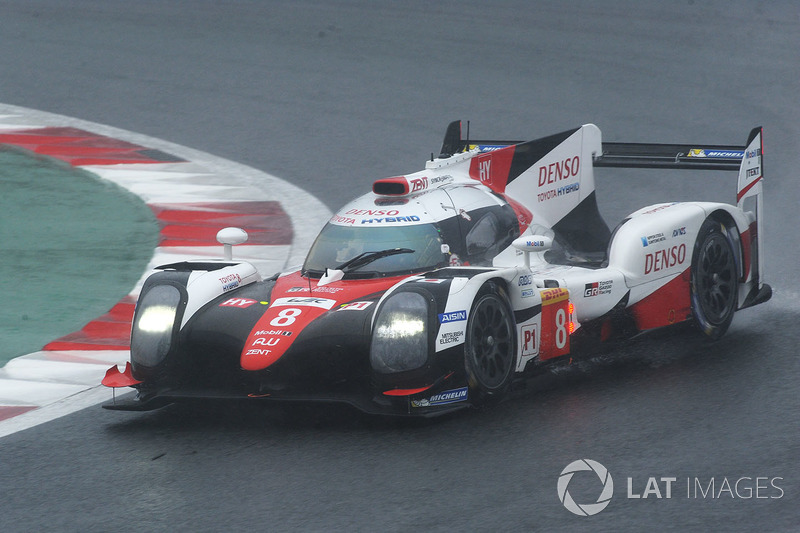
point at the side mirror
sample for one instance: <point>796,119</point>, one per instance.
<point>532,244</point>
<point>229,237</point>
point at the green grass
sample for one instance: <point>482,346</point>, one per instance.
<point>71,245</point>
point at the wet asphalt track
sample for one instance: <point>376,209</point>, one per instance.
<point>332,95</point>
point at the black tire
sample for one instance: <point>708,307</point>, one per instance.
<point>490,345</point>
<point>714,279</point>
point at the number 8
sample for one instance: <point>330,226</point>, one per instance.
<point>561,328</point>
<point>285,317</point>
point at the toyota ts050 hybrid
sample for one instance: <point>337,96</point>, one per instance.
<point>446,287</point>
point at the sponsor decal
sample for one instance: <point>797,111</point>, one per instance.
<point>752,153</point>
<point>527,293</point>
<point>487,147</point>
<point>677,232</point>
<point>448,396</point>
<point>484,169</point>
<point>452,337</point>
<point>664,259</point>
<point>355,306</point>
<point>453,316</point>
<point>652,239</point>
<point>411,218</point>
<point>598,288</point>
<point>752,172</point>
<point>373,212</point>
<point>239,303</point>
<point>725,154</point>
<point>258,352</point>
<point>273,332</point>
<point>555,193</point>
<point>431,280</point>
<point>418,184</point>
<point>230,282</point>
<point>530,339</point>
<point>551,296</point>
<point>326,288</point>
<point>441,179</point>
<point>524,280</point>
<point>560,170</point>
<point>324,303</point>
<point>266,341</point>
<point>342,220</point>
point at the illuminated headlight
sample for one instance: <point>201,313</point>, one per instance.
<point>151,335</point>
<point>400,335</point>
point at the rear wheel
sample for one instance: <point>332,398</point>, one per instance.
<point>490,346</point>
<point>714,279</point>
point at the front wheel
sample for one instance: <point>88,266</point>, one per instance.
<point>714,279</point>
<point>490,346</point>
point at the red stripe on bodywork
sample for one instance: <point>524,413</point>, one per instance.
<point>406,392</point>
<point>278,327</point>
<point>747,248</point>
<point>669,304</point>
<point>524,216</point>
<point>747,188</point>
<point>197,224</point>
<point>492,168</point>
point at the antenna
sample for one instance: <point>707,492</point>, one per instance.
<point>467,145</point>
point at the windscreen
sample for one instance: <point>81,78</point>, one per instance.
<point>337,244</point>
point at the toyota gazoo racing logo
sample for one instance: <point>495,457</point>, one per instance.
<point>585,509</point>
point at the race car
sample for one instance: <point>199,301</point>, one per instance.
<point>445,288</point>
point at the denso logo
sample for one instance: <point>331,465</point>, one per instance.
<point>373,212</point>
<point>664,259</point>
<point>559,170</point>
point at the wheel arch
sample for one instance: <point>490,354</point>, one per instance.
<point>726,218</point>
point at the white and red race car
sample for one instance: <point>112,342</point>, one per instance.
<point>442,288</point>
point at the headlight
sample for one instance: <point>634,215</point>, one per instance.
<point>400,335</point>
<point>151,335</point>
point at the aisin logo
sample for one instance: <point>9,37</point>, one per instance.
<point>586,509</point>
